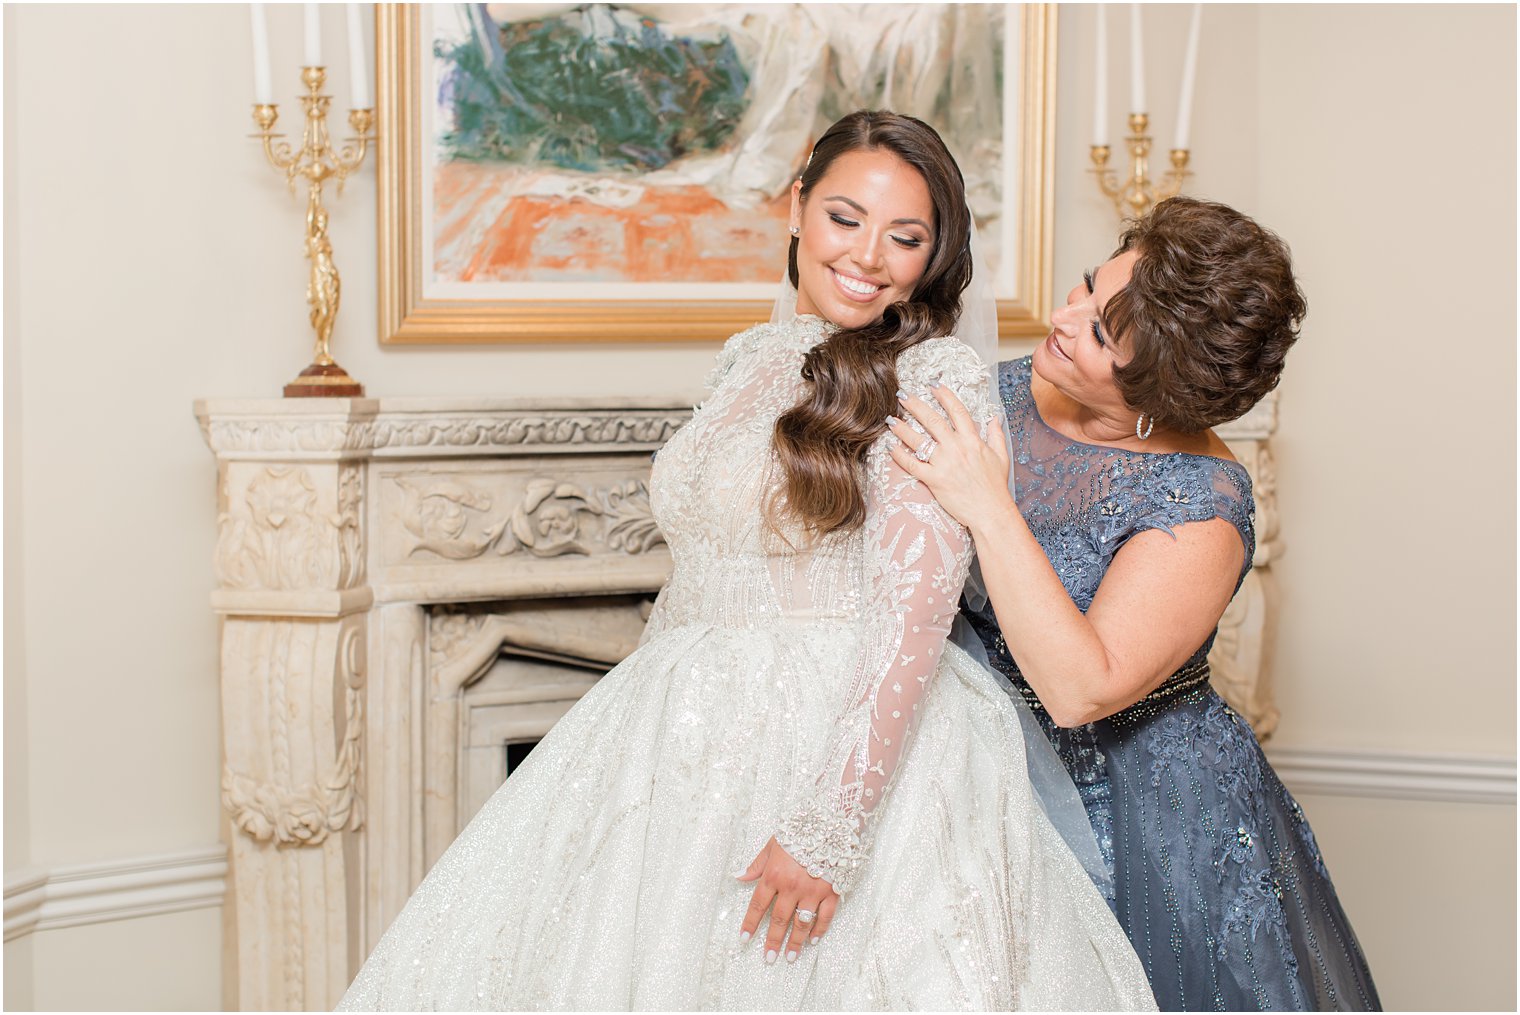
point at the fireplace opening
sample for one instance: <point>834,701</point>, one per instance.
<point>507,711</point>
<point>517,753</point>
<point>504,674</point>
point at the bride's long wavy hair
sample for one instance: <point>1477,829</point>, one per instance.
<point>821,441</point>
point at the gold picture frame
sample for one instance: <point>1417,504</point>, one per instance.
<point>409,314</point>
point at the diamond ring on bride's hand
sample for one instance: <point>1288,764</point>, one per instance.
<point>926,449</point>
<point>805,916</point>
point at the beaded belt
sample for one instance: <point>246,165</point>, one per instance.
<point>1191,678</point>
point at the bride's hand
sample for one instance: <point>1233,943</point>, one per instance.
<point>967,475</point>
<point>796,894</point>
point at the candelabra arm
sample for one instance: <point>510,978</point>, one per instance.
<point>1171,182</point>
<point>1107,182</point>
<point>277,151</point>
<point>1137,193</point>
<point>351,156</point>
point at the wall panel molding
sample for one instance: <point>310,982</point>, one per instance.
<point>120,890</point>
<point>1397,775</point>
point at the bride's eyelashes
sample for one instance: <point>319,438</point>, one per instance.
<point>906,242</point>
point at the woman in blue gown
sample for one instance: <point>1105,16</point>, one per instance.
<point>1107,570</point>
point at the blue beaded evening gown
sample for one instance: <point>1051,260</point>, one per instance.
<point>1216,875</point>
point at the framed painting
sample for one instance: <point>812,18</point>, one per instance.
<point>606,172</point>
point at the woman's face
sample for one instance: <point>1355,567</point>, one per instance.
<point>1080,355</point>
<point>865,236</point>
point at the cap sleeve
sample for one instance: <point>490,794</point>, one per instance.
<point>1198,488</point>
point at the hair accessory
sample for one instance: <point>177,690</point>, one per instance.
<point>1141,419</point>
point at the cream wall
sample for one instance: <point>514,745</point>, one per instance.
<point>1396,457</point>
<point>1399,404</point>
<point>151,258</point>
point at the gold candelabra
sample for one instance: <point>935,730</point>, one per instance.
<point>318,162</point>
<point>1138,193</point>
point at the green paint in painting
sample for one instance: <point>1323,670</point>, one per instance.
<point>597,88</point>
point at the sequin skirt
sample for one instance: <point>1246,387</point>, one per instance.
<point>1218,879</point>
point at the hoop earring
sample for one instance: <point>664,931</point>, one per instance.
<point>1141,419</point>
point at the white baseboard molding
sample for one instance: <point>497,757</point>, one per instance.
<point>97,893</point>
<point>1397,775</point>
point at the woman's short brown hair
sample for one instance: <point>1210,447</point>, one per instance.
<point>1209,312</point>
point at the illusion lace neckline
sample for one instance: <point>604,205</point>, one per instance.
<point>1076,444</point>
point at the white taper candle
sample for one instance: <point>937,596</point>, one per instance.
<point>1136,63</point>
<point>358,69</point>
<point>263,90</point>
<point>1189,73</point>
<point>313,35</point>
<point>1100,107</point>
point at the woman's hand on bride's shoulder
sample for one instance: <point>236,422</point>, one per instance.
<point>801,900</point>
<point>967,474</point>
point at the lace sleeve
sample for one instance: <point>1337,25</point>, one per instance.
<point>916,559</point>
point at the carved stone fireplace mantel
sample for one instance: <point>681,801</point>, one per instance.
<point>408,585</point>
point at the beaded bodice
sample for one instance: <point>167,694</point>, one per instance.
<point>878,600</point>
<point>1083,502</point>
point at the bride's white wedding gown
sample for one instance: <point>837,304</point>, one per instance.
<point>805,692</point>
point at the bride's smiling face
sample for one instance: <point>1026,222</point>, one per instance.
<point>865,234</point>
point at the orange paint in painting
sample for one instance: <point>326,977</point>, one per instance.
<point>487,230</point>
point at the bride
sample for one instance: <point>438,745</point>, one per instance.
<point>796,737</point>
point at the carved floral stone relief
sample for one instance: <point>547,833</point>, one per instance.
<point>279,535</point>
<point>452,518</point>
<point>450,630</point>
<point>1264,483</point>
<point>284,808</point>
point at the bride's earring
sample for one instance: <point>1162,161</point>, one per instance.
<point>795,231</point>
<point>1141,419</point>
